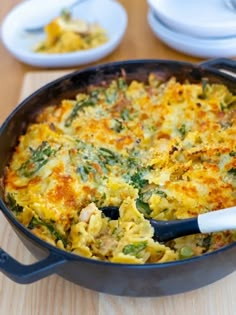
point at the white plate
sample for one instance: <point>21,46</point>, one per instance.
<point>202,18</point>
<point>200,47</point>
<point>108,13</point>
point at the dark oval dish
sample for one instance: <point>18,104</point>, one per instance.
<point>119,279</point>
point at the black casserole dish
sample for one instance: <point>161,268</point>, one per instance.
<point>120,279</point>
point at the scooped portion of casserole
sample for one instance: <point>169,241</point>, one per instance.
<point>65,34</point>
<point>162,150</point>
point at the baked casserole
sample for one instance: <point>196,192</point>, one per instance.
<point>162,150</point>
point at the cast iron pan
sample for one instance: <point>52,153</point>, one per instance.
<point>119,279</point>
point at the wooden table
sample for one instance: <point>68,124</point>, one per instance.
<point>54,295</point>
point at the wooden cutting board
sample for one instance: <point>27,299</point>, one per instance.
<point>56,296</point>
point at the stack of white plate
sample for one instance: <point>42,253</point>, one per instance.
<point>202,28</point>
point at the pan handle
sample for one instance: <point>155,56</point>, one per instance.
<point>222,64</point>
<point>29,273</point>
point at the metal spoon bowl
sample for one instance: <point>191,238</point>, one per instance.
<point>40,28</point>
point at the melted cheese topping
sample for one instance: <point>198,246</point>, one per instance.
<point>162,150</point>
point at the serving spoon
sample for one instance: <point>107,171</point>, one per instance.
<point>214,221</point>
<point>37,28</point>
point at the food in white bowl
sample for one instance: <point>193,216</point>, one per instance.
<point>66,34</point>
<point>109,14</point>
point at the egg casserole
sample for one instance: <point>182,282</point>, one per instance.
<point>162,150</point>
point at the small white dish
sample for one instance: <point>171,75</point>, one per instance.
<point>200,18</point>
<point>194,46</point>
<point>108,13</point>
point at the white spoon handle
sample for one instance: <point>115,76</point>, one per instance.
<point>219,220</point>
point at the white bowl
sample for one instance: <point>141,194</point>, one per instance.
<point>200,18</point>
<point>194,46</point>
<point>108,13</point>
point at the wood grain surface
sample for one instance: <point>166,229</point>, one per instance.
<point>54,295</point>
